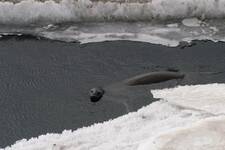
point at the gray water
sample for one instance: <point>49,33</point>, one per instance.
<point>44,84</point>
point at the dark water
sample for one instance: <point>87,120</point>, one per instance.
<point>44,84</point>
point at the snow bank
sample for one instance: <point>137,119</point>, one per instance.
<point>209,98</point>
<point>31,11</point>
<point>29,14</point>
<point>208,134</point>
<point>155,126</point>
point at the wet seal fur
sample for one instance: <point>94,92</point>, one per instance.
<point>153,77</point>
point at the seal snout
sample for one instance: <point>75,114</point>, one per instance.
<point>96,94</point>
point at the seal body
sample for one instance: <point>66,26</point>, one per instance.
<point>123,97</point>
<point>129,96</point>
<point>153,77</point>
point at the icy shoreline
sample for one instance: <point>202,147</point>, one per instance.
<point>163,121</point>
<point>170,33</point>
<point>102,20</point>
<point>57,11</point>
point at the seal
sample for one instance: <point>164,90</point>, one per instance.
<point>126,93</point>
<point>153,77</point>
<point>122,97</point>
<point>96,94</point>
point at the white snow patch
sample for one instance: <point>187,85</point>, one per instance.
<point>215,29</point>
<point>55,11</point>
<point>192,22</point>
<point>208,134</point>
<point>209,98</point>
<point>172,25</point>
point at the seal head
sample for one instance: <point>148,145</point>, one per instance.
<point>96,94</point>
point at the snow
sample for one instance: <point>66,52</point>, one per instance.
<point>99,37</point>
<point>159,33</point>
<point>173,25</point>
<point>186,118</point>
<point>192,22</point>
<point>209,98</point>
<point>58,11</point>
<point>97,20</point>
<point>208,134</point>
